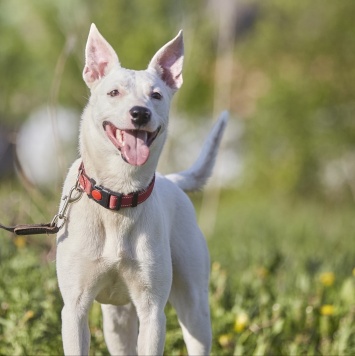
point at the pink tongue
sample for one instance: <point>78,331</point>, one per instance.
<point>135,149</point>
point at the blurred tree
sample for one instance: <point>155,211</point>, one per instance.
<point>43,42</point>
<point>304,52</point>
<point>293,77</point>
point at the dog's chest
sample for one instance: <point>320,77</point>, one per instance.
<point>116,261</point>
<point>113,287</point>
<point>118,234</point>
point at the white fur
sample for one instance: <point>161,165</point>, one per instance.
<point>136,259</point>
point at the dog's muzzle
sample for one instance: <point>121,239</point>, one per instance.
<point>133,144</point>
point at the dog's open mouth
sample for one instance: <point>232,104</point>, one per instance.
<point>133,144</point>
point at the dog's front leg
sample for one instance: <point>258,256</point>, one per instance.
<point>120,329</point>
<point>78,294</point>
<point>152,327</point>
<point>150,292</point>
<point>75,330</point>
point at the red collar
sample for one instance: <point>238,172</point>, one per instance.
<point>109,199</point>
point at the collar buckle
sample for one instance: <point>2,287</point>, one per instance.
<point>100,195</point>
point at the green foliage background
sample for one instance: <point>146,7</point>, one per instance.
<point>282,249</point>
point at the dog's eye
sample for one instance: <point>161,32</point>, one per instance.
<point>113,93</point>
<point>156,95</point>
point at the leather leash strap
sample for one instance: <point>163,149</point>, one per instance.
<point>27,229</point>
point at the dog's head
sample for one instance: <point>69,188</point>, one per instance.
<point>128,110</point>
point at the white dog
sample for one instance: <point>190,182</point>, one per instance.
<point>131,242</point>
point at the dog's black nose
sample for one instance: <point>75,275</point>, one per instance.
<point>140,115</point>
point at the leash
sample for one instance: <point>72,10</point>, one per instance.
<point>58,220</point>
<point>101,195</point>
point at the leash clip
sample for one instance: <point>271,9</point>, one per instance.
<point>68,199</point>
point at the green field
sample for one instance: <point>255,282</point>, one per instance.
<point>282,280</point>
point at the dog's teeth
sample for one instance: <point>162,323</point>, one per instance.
<point>119,137</point>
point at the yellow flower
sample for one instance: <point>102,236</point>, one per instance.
<point>225,340</point>
<point>20,241</point>
<point>327,309</point>
<point>262,272</point>
<point>241,322</point>
<point>216,266</point>
<point>28,315</point>
<point>327,279</point>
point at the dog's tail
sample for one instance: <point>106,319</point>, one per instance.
<point>197,175</point>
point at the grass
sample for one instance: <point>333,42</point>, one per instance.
<point>288,278</point>
<point>282,279</point>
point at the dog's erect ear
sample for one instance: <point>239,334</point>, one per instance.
<point>100,57</point>
<point>168,62</point>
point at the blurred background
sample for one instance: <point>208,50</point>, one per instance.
<point>283,69</point>
<point>278,213</point>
